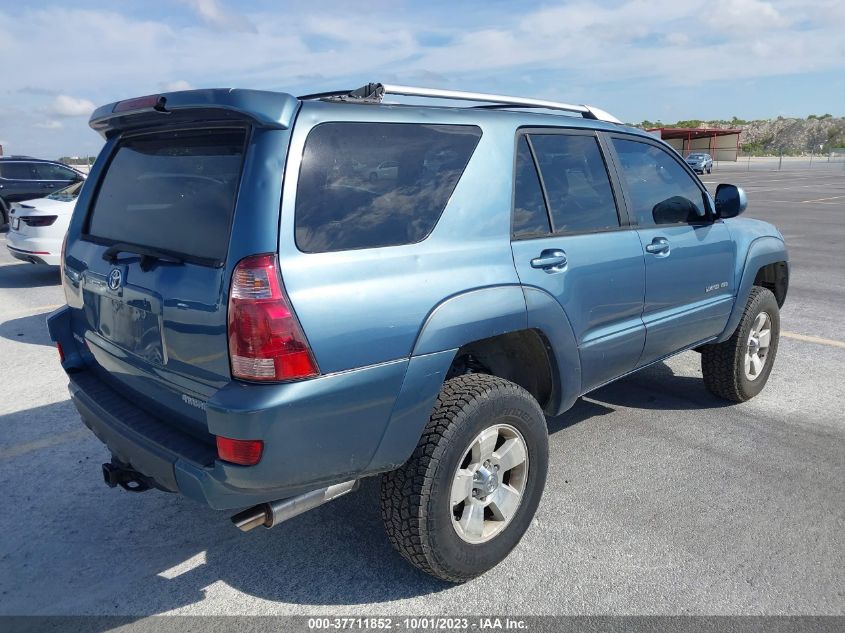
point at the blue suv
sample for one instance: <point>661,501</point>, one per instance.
<point>256,322</point>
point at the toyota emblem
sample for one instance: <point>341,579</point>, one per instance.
<point>115,278</point>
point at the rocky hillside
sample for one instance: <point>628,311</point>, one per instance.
<point>788,136</point>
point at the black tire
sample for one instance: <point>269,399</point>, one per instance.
<point>415,498</point>
<point>723,364</point>
<point>4,213</point>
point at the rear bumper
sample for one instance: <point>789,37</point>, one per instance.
<point>175,461</point>
<point>33,257</point>
<point>316,432</point>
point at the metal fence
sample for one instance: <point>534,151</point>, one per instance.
<point>826,162</point>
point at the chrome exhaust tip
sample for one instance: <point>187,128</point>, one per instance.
<point>251,518</point>
<point>275,512</point>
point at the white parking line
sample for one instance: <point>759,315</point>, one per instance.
<point>823,199</point>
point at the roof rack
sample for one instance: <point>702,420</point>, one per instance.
<point>375,92</point>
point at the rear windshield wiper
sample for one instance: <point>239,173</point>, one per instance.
<point>149,255</point>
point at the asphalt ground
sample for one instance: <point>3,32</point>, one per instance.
<point>660,498</point>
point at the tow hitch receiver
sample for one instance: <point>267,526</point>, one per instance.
<point>119,474</point>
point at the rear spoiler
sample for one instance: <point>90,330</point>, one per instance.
<point>265,109</point>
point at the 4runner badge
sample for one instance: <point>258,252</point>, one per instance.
<point>194,402</point>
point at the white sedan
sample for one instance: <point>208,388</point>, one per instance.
<point>37,227</point>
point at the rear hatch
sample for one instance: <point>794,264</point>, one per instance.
<point>150,251</point>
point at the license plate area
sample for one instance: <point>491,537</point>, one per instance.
<point>130,318</point>
<point>132,326</point>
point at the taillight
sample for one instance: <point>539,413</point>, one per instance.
<point>241,452</point>
<point>62,260</point>
<point>61,352</point>
<point>38,220</point>
<point>266,342</point>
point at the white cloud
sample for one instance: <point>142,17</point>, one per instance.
<point>175,86</point>
<point>67,106</point>
<point>49,124</point>
<point>742,14</point>
<point>570,51</point>
<point>213,14</point>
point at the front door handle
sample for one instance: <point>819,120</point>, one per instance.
<point>551,260</point>
<point>658,246</point>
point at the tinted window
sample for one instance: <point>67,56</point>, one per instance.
<point>173,191</point>
<point>17,171</point>
<point>661,191</point>
<point>529,208</point>
<point>363,185</point>
<point>46,171</point>
<point>577,185</point>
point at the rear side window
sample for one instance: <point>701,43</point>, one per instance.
<point>661,191</point>
<point>577,185</point>
<point>17,171</point>
<point>173,191</point>
<point>363,185</point>
<point>529,209</point>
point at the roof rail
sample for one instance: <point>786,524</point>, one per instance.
<point>375,92</point>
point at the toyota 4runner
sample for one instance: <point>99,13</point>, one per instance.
<point>256,322</point>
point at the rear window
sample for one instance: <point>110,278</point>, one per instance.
<point>173,191</point>
<point>68,193</point>
<point>363,185</point>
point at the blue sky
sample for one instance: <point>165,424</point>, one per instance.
<point>656,59</point>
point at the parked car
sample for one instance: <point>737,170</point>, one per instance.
<point>388,169</point>
<point>37,227</point>
<point>25,178</point>
<point>700,162</point>
<point>265,356</point>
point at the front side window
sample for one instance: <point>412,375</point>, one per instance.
<point>47,171</point>
<point>577,185</point>
<point>661,191</point>
<point>365,185</point>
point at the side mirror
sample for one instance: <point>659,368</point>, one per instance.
<point>730,201</point>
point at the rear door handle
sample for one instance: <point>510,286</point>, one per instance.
<point>551,260</point>
<point>658,246</point>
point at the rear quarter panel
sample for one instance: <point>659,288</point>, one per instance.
<point>362,307</point>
